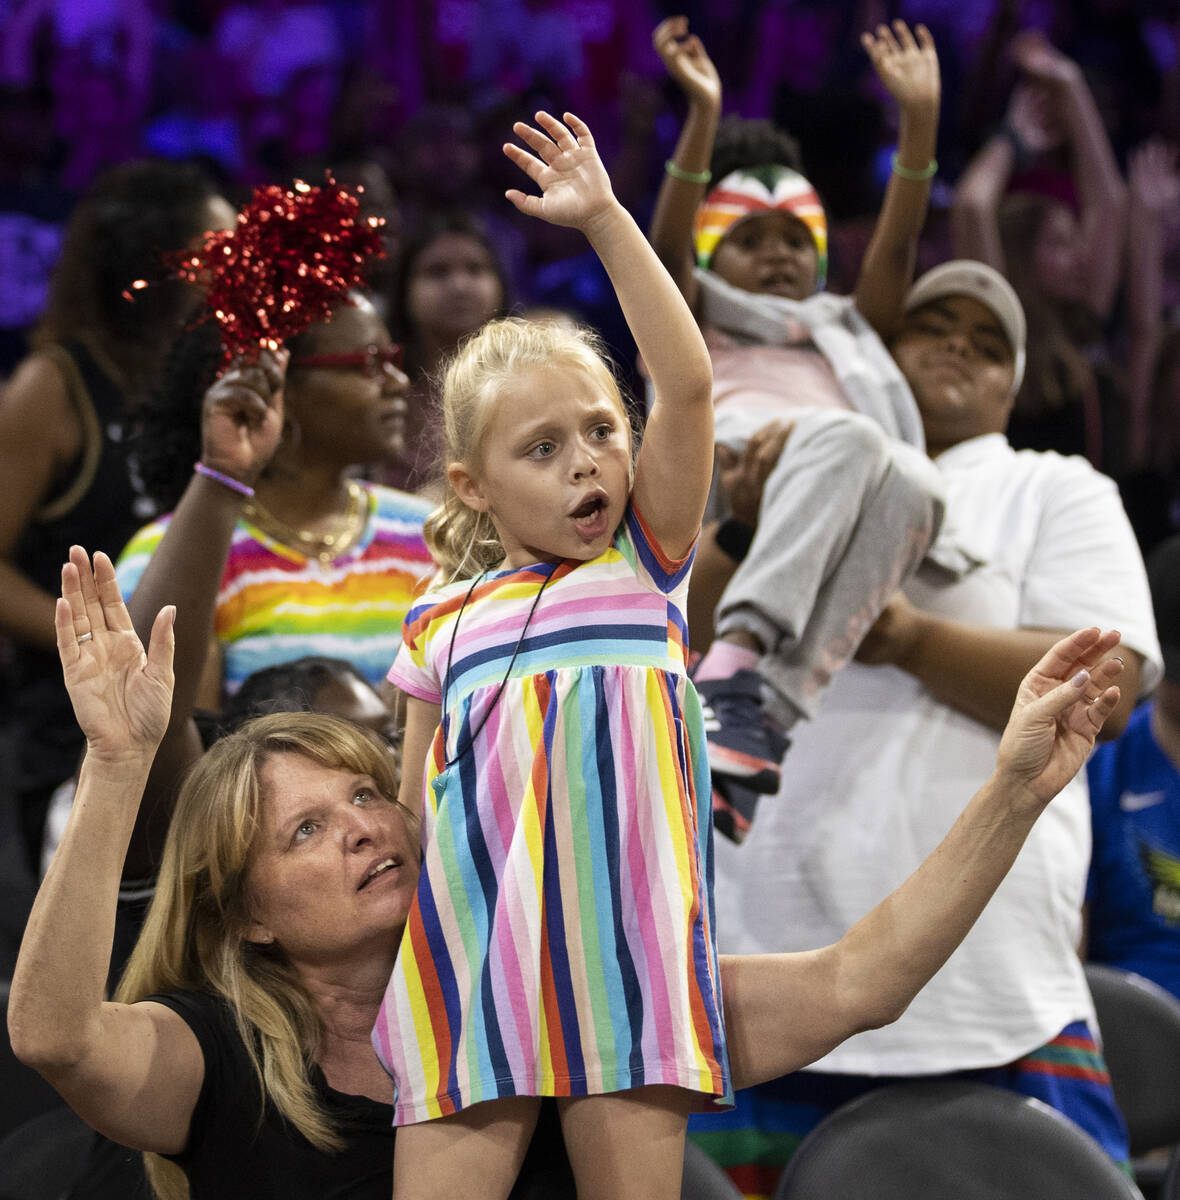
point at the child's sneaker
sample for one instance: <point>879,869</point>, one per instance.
<point>733,808</point>
<point>743,743</point>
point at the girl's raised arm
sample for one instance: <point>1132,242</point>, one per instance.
<point>133,1072</point>
<point>676,461</point>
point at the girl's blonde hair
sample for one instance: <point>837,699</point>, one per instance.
<point>462,540</point>
<point>195,934</point>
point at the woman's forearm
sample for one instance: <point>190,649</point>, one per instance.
<point>58,985</point>
<point>185,570</point>
<point>785,1011</point>
<point>1103,196</point>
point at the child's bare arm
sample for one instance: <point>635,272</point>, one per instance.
<point>422,720</point>
<point>908,66</point>
<point>675,465</point>
<point>671,227</point>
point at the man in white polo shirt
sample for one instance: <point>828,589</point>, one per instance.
<point>1032,544</point>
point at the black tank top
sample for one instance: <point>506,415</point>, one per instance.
<point>99,507</point>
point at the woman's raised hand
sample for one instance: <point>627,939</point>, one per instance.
<point>575,188</point>
<point>242,416</point>
<point>121,695</point>
<point>1060,709</point>
<point>687,61</point>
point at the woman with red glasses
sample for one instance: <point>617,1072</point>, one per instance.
<point>303,556</point>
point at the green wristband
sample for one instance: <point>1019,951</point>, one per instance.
<point>687,176</point>
<point>927,172</point>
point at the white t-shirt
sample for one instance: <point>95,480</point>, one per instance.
<point>870,786</point>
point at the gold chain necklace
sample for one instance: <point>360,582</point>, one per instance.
<point>322,546</point>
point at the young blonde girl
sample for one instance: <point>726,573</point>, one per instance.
<point>561,942</point>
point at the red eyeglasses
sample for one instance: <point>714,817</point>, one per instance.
<point>373,361</point>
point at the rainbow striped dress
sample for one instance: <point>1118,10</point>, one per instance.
<point>561,941</point>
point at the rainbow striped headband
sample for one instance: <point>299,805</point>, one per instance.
<point>755,190</point>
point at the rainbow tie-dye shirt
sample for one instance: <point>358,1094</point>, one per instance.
<point>275,605</point>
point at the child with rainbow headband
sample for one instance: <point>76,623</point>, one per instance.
<point>853,504</point>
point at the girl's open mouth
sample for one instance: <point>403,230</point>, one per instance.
<point>590,517</point>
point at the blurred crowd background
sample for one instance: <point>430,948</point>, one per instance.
<point>413,99</point>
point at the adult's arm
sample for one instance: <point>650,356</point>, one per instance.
<point>1083,564</point>
<point>40,435</point>
<point>1154,186</point>
<point>975,228</point>
<point>241,424</point>
<point>784,1011</point>
<point>908,67</point>
<point>133,1072</point>
<point>1101,190</point>
<point>975,669</point>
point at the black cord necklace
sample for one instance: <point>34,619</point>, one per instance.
<point>512,662</point>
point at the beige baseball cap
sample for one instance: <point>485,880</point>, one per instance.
<point>966,277</point>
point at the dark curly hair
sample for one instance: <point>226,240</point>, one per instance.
<point>129,220</point>
<point>741,143</point>
<point>168,430</point>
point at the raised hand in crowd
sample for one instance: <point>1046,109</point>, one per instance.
<point>907,65</point>
<point>1032,122</point>
<point>1154,194</point>
<point>121,694</point>
<point>687,61</point>
<point>242,417</point>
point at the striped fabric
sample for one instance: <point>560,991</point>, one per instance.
<point>754,1141</point>
<point>275,605</point>
<point>750,193</point>
<point>561,941</point>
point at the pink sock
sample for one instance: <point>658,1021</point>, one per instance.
<point>724,659</point>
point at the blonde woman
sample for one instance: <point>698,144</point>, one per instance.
<point>238,1053</point>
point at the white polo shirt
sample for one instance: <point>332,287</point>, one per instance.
<point>872,784</point>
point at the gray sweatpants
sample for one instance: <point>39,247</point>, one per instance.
<point>847,514</point>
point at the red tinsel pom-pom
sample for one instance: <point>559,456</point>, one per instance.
<point>286,264</point>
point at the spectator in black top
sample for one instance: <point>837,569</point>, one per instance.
<point>65,475</point>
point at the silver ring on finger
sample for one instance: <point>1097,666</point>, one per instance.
<point>84,637</point>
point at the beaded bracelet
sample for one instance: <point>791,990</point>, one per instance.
<point>927,172</point>
<point>235,485</point>
<point>678,172</point>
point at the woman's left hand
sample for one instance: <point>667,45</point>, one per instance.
<point>1060,708</point>
<point>575,188</point>
<point>121,695</point>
